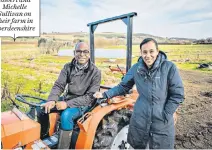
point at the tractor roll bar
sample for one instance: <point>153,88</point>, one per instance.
<point>128,20</point>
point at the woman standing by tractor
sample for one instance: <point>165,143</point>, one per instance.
<point>160,91</point>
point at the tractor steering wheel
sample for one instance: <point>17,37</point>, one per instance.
<point>22,98</point>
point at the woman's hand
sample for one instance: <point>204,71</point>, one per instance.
<point>98,95</point>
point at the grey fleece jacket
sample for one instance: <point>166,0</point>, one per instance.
<point>81,85</point>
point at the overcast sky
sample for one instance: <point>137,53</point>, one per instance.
<point>166,18</point>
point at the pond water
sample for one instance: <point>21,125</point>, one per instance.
<point>99,53</point>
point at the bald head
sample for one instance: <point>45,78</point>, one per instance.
<point>82,52</point>
<point>82,45</point>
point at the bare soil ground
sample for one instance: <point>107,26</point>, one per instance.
<point>194,124</point>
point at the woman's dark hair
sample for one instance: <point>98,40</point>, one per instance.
<point>148,40</point>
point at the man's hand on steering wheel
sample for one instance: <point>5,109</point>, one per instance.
<point>48,106</point>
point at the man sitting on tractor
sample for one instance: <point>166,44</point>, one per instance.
<point>80,78</point>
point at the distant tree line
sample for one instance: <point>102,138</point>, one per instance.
<point>203,41</point>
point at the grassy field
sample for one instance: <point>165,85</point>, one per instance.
<point>26,71</point>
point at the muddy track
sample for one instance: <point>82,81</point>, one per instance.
<point>194,126</point>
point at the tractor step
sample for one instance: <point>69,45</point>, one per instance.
<point>51,141</point>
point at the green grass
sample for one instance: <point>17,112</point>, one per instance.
<point>186,48</point>
<point>193,66</point>
<point>187,66</point>
<point>30,78</point>
<point>52,59</point>
<point>17,46</point>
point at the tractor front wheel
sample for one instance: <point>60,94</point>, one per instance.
<point>112,131</point>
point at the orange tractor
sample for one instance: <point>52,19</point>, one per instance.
<point>104,126</point>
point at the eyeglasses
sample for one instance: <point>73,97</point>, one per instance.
<point>82,51</point>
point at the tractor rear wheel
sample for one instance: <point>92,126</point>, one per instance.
<point>112,131</point>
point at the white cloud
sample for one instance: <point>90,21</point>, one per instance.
<point>182,18</point>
